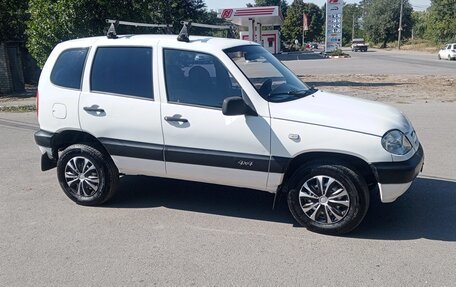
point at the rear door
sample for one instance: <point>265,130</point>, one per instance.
<point>118,106</point>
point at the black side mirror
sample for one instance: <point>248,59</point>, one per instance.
<point>234,106</point>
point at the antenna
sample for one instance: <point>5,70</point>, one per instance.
<point>114,23</point>
<point>184,33</point>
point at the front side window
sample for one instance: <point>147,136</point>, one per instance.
<point>197,79</point>
<point>67,71</point>
<point>273,81</point>
<point>123,70</point>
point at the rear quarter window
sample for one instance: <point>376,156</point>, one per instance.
<point>123,71</point>
<point>67,70</point>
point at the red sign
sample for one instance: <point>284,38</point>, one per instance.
<point>305,24</point>
<point>226,13</point>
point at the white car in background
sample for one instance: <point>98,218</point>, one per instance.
<point>448,52</point>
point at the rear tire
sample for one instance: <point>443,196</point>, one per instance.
<point>438,56</point>
<point>328,198</point>
<point>87,175</point>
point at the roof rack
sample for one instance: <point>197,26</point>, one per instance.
<point>111,34</point>
<point>184,33</point>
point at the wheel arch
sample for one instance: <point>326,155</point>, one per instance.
<point>358,165</point>
<point>65,138</point>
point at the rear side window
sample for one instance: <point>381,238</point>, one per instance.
<point>123,70</point>
<point>67,71</point>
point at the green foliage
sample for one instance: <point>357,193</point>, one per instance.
<point>381,20</point>
<point>419,19</point>
<point>350,12</point>
<point>337,52</point>
<point>281,3</point>
<point>54,21</point>
<point>441,21</point>
<point>13,15</point>
<point>292,26</point>
<point>210,17</point>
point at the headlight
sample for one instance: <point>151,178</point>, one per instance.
<point>396,142</point>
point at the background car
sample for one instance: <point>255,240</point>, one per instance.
<point>448,52</point>
<point>359,45</point>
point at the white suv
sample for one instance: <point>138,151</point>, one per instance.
<point>219,111</point>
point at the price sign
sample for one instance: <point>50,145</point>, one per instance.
<point>333,39</point>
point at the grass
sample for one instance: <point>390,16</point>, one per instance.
<point>419,45</point>
<point>18,109</point>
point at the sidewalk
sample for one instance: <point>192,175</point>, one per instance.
<point>22,102</point>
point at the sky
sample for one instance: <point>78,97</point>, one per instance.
<point>219,4</point>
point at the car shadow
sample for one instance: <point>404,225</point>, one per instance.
<point>368,51</point>
<point>351,84</point>
<point>150,192</point>
<point>427,210</point>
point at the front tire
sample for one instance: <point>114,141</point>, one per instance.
<point>328,198</point>
<point>87,175</point>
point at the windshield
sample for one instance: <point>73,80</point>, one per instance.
<point>273,81</point>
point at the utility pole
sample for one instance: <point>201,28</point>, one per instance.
<point>353,27</point>
<point>400,27</point>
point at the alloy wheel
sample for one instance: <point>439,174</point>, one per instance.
<point>82,176</point>
<point>324,199</point>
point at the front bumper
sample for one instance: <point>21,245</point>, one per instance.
<point>394,178</point>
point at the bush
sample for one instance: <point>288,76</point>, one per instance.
<point>337,52</point>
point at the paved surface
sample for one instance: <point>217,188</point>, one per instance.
<point>375,62</point>
<point>166,232</point>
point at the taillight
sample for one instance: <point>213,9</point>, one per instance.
<point>37,99</point>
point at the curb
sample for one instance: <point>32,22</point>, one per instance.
<point>339,57</point>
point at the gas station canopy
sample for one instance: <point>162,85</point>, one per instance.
<point>266,16</point>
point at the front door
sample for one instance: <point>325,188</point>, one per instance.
<point>201,143</point>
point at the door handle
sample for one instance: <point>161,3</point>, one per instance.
<point>94,108</point>
<point>175,119</point>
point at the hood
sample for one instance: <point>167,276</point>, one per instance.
<point>342,112</point>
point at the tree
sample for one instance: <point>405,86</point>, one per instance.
<point>351,13</point>
<point>281,3</point>
<point>381,20</point>
<point>419,20</point>
<point>54,21</point>
<point>293,25</point>
<point>441,21</point>
<point>210,17</point>
<point>13,15</point>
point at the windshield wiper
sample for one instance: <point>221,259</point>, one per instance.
<point>301,93</point>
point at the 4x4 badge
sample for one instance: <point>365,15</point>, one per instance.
<point>245,163</point>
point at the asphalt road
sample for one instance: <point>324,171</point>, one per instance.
<point>169,233</point>
<point>374,61</point>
